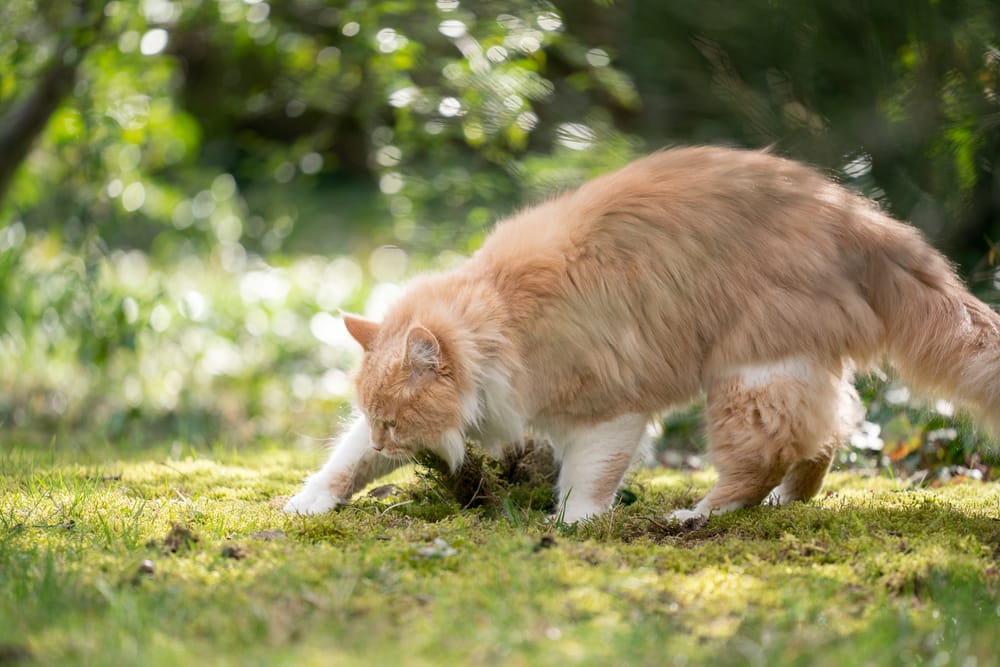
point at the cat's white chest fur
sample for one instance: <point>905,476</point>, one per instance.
<point>492,413</point>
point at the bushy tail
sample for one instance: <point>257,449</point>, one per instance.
<point>942,339</point>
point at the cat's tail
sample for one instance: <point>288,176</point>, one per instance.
<point>942,339</point>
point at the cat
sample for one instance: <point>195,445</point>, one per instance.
<point>738,275</point>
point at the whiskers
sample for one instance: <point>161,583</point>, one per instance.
<point>400,455</point>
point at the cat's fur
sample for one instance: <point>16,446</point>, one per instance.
<point>748,277</point>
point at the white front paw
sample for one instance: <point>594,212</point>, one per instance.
<point>313,499</point>
<point>574,513</point>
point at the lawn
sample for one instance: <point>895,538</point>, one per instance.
<point>184,557</point>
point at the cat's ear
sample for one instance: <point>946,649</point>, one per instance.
<point>423,351</point>
<point>361,329</point>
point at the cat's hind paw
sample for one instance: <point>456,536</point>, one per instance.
<point>778,498</point>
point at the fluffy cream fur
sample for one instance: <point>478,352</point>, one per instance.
<point>748,277</point>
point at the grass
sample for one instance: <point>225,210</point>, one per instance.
<point>160,560</point>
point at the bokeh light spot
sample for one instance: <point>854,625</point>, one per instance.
<point>160,318</point>
<point>575,136</point>
<point>266,285</point>
<point>391,183</point>
<point>549,21</point>
<point>194,306</point>
<point>284,172</point>
<point>388,40</point>
<point>223,187</point>
<point>258,12</point>
<point>128,41</point>
<point>133,197</point>
<point>450,107</point>
<point>452,28</point>
<point>388,156</point>
<point>130,309</point>
<point>153,42</point>
<point>311,163</point>
<point>388,263</point>
<point>598,58</point>
<point>403,97</point>
<point>496,54</point>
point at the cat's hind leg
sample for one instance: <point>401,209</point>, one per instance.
<point>353,463</point>
<point>768,423</point>
<point>594,459</point>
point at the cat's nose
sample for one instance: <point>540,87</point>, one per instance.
<point>377,446</point>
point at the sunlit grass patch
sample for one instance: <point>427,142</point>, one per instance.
<point>175,560</point>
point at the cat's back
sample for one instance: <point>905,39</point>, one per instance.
<point>693,200</point>
<point>706,190</point>
<point>628,283</point>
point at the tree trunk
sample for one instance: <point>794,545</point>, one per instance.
<point>27,118</point>
<point>20,126</point>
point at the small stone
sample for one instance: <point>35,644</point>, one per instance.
<point>147,567</point>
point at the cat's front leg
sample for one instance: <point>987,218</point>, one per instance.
<point>351,466</point>
<point>594,461</point>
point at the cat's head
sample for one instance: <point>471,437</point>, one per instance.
<point>408,387</point>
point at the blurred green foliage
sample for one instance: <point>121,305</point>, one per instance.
<point>898,98</point>
<point>104,344</point>
<point>442,117</point>
<point>431,110</point>
<point>190,189</point>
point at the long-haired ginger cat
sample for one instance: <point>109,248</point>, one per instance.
<point>748,277</point>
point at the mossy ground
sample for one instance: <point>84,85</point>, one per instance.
<point>873,572</point>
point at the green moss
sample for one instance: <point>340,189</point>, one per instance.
<point>872,572</point>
